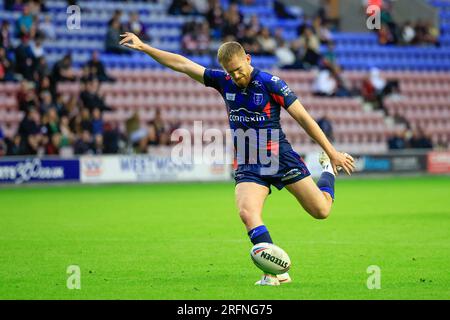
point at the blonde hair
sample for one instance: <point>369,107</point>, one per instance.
<point>228,50</point>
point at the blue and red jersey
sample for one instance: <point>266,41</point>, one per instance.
<point>255,107</point>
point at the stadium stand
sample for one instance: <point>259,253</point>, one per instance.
<point>422,73</point>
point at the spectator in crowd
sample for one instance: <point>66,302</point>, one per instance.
<point>112,38</point>
<point>41,69</point>
<point>117,17</point>
<point>196,38</point>
<point>233,22</point>
<point>63,70</point>
<point>324,84</point>
<point>281,11</point>
<point>385,35</point>
<point>26,96</point>
<point>24,25</point>
<point>249,41</point>
<point>215,16</point>
<point>47,29</point>
<point>152,136</point>
<point>25,59</point>
<point>136,133</point>
<point>85,144</point>
<point>14,146</point>
<point>97,122</point>
<point>266,42</point>
<point>46,102</point>
<point>5,36</point>
<point>37,49</point>
<point>408,33</point>
<point>325,124</point>
<point>91,98</point>
<point>67,137</point>
<point>138,28</point>
<point>3,148</point>
<point>6,67</point>
<point>111,138</point>
<point>53,132</point>
<point>397,140</point>
<point>308,46</point>
<point>182,7</point>
<point>286,57</point>
<point>96,69</point>
<point>30,132</point>
<point>420,140</point>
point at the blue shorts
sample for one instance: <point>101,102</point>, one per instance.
<point>291,168</point>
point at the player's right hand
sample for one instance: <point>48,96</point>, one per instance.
<point>135,43</point>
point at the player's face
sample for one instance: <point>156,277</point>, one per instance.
<point>239,69</point>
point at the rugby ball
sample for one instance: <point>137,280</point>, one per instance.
<point>270,258</point>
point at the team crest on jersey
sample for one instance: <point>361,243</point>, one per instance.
<point>231,96</point>
<point>256,83</point>
<point>258,98</point>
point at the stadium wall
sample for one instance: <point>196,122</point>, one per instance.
<point>161,168</point>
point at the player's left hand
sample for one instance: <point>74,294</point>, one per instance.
<point>343,161</point>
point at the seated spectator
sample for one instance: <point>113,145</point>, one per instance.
<point>215,15</point>
<point>324,84</point>
<point>117,17</point>
<point>46,102</point>
<point>249,42</point>
<point>420,140</point>
<point>385,35</point>
<point>309,44</point>
<point>47,29</point>
<point>53,132</point>
<point>85,144</point>
<point>397,140</point>
<point>3,147</point>
<point>5,36</point>
<point>97,122</point>
<point>14,146</point>
<point>136,27</point>
<point>96,69</point>
<point>196,38</point>
<point>63,70</point>
<point>407,33</point>
<point>6,67</point>
<point>67,137</point>
<point>233,22</point>
<point>266,42</point>
<point>281,11</point>
<point>26,96</point>
<point>431,35</point>
<point>325,124</point>
<point>329,59</point>
<point>37,48</point>
<point>91,98</point>
<point>112,39</point>
<point>111,138</point>
<point>286,57</point>
<point>41,69</point>
<point>30,131</point>
<point>182,7</point>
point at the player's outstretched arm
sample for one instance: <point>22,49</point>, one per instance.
<point>171,60</point>
<point>338,159</point>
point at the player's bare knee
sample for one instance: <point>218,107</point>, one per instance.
<point>245,214</point>
<point>320,213</point>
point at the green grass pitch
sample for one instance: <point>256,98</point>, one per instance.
<point>186,241</point>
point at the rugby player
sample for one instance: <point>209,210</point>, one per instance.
<point>254,100</point>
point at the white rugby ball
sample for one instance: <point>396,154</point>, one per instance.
<point>270,258</point>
